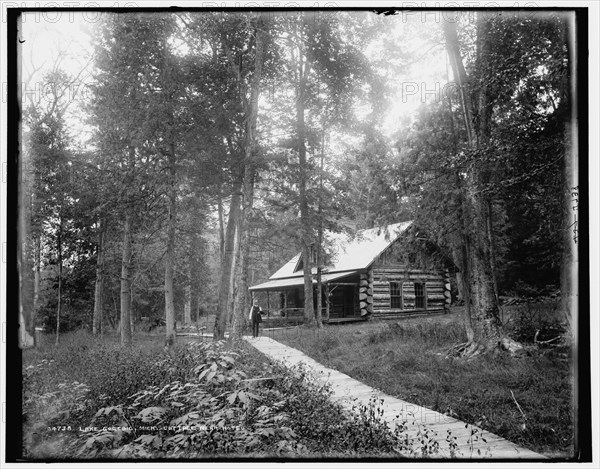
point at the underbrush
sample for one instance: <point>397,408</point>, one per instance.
<point>535,322</point>
<point>527,400</point>
<point>89,399</point>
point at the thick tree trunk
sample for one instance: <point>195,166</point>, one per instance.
<point>235,272</point>
<point>227,259</point>
<point>319,312</point>
<point>241,297</point>
<point>303,69</point>
<point>171,334</point>
<point>125,322</point>
<point>484,327</point>
<point>99,287</point>
<point>249,174</point>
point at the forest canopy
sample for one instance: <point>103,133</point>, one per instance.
<point>191,154</point>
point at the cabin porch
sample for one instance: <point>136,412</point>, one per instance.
<point>339,300</point>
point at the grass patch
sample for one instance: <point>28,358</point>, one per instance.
<point>407,359</point>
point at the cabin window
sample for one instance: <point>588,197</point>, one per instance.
<point>420,298</point>
<point>396,295</point>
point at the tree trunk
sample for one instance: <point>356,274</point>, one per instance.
<point>37,277</point>
<point>99,288</point>
<point>25,267</point>
<point>125,322</point>
<point>241,297</point>
<point>319,315</point>
<point>235,272</point>
<point>187,307</point>
<point>251,112</point>
<point>227,259</point>
<point>221,224</point>
<point>192,281</point>
<point>171,334</point>
<point>60,269</point>
<point>303,70</point>
<point>485,326</point>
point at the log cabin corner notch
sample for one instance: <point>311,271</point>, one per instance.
<point>369,275</point>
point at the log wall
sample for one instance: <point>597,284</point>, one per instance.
<point>382,274</point>
<point>365,293</point>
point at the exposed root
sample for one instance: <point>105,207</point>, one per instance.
<point>470,350</point>
<point>547,342</point>
<point>466,350</point>
<point>511,345</point>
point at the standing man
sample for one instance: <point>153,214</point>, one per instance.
<point>256,318</point>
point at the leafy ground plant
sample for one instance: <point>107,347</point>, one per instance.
<point>197,400</point>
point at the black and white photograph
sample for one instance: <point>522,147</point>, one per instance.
<point>298,233</point>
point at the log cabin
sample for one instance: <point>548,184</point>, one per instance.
<point>369,275</point>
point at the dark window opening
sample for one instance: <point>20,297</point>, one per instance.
<point>396,295</point>
<point>420,295</point>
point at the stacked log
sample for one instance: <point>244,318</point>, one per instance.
<point>365,293</point>
<point>447,291</point>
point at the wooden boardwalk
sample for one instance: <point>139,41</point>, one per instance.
<point>418,420</point>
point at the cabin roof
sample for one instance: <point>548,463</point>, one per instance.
<point>350,253</point>
<point>283,283</point>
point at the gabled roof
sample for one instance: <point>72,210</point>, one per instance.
<point>351,253</point>
<point>278,284</point>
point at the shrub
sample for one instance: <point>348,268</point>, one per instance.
<point>530,319</point>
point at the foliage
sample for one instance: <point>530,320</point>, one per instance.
<point>200,399</point>
<point>526,79</point>
<point>535,322</point>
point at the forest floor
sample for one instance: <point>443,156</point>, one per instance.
<point>407,359</point>
<point>90,398</point>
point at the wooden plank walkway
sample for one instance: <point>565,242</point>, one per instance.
<point>350,393</point>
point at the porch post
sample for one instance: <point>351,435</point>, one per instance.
<point>268,305</point>
<point>327,301</point>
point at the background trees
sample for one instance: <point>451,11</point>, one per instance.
<point>471,147</point>
<point>224,144</point>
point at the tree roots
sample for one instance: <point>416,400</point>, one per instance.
<point>470,350</point>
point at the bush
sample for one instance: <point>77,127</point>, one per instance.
<point>530,319</point>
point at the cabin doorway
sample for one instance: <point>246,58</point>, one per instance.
<point>343,301</point>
